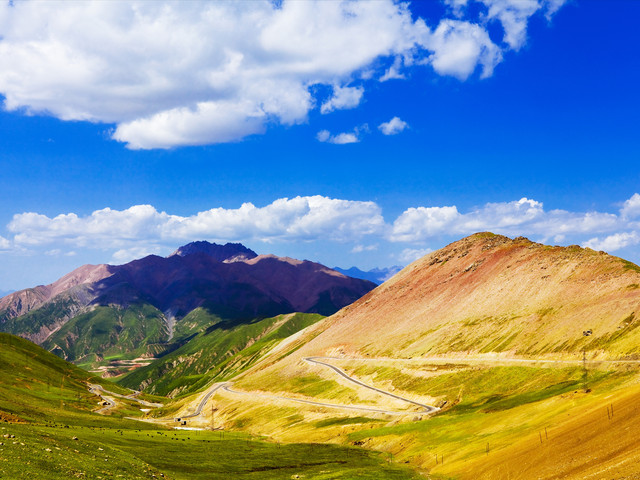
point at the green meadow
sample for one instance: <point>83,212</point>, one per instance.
<point>48,430</point>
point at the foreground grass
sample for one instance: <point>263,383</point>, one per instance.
<point>48,430</point>
<point>59,452</point>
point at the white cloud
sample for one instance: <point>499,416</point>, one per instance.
<point>190,73</point>
<point>4,244</point>
<point>613,242</point>
<point>393,72</point>
<point>343,98</point>
<point>364,248</point>
<point>340,138</point>
<point>552,6</point>
<point>409,255</point>
<point>459,47</point>
<point>323,136</point>
<point>521,217</point>
<point>142,229</point>
<point>457,6</point>
<point>344,138</point>
<point>514,16</point>
<point>393,126</point>
<point>420,223</point>
<point>631,207</point>
<point>295,219</point>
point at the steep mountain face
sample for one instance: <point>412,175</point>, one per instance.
<point>19,303</point>
<point>133,308</point>
<point>262,286</point>
<point>488,294</point>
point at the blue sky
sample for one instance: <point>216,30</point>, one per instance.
<point>146,128</point>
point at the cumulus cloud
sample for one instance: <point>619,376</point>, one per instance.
<point>299,219</point>
<point>393,72</point>
<point>631,207</point>
<point>614,242</point>
<point>521,217</point>
<point>170,73</point>
<point>514,16</point>
<point>457,6</point>
<point>343,98</point>
<point>460,47</point>
<point>393,126</point>
<point>142,229</point>
<point>4,244</point>
<point>341,138</point>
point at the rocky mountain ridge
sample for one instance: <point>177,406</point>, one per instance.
<point>229,281</point>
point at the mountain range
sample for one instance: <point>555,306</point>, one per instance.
<point>136,308</point>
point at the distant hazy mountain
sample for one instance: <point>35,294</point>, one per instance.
<point>135,308</point>
<point>4,293</point>
<point>376,275</point>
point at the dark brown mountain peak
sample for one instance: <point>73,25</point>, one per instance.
<point>230,252</point>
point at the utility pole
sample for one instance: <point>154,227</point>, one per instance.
<point>213,417</point>
<point>585,333</point>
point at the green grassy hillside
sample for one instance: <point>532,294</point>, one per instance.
<point>48,431</point>
<point>110,333</point>
<point>219,351</point>
<point>51,453</point>
<point>37,386</point>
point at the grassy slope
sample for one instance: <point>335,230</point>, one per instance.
<point>45,412</point>
<point>218,352</point>
<point>606,430</point>
<point>134,454</point>
<point>488,407</point>
<point>37,386</point>
<point>110,332</point>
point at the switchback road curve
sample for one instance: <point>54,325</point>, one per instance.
<point>342,373</point>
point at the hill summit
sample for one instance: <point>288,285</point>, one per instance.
<point>490,294</point>
<point>230,252</point>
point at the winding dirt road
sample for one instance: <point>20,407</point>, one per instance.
<point>110,398</point>
<point>204,400</point>
<point>342,373</point>
<point>425,409</point>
